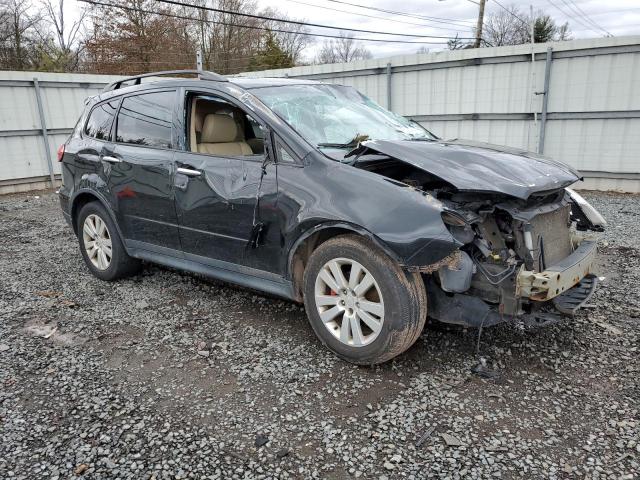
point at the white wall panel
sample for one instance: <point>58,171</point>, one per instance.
<point>594,75</point>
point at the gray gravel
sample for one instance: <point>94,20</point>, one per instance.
<point>169,375</point>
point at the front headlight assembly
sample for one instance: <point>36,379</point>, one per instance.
<point>587,217</point>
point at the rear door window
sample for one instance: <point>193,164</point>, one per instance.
<point>100,120</point>
<point>146,119</point>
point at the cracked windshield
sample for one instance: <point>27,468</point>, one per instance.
<point>333,116</point>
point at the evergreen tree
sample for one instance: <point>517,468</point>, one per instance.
<point>271,55</point>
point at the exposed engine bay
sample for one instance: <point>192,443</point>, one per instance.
<point>526,260</point>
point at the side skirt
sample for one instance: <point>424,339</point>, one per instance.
<point>228,272</point>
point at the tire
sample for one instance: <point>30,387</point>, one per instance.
<point>397,300</point>
<point>114,265</point>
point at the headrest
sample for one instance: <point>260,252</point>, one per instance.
<point>218,129</point>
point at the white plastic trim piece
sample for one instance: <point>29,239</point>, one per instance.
<point>591,213</point>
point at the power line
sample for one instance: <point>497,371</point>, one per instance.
<point>573,16</point>
<point>405,14</point>
<point>254,27</point>
<point>511,13</point>
<point>608,12</point>
<point>296,22</point>
<point>376,17</point>
<point>581,12</point>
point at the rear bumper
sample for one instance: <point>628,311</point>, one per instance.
<point>64,205</point>
<point>558,278</point>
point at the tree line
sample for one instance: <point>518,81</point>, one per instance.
<point>136,36</point>
<point>511,26</point>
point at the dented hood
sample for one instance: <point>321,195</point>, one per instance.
<point>482,167</point>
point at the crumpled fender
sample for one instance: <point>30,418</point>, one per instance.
<point>405,222</point>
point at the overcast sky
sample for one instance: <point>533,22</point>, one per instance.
<point>618,17</point>
<point>450,17</point>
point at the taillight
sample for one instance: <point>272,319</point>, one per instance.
<point>60,152</point>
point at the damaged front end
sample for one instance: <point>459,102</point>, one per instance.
<point>521,260</point>
<point>525,252</point>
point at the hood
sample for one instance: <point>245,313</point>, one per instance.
<point>479,167</point>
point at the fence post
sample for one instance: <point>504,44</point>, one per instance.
<point>45,137</point>
<point>389,86</point>
<point>545,99</point>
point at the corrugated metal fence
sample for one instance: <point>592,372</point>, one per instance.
<point>579,102</point>
<point>591,89</point>
<point>37,113</point>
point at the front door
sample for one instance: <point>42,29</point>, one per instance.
<point>141,170</point>
<point>217,183</point>
<point>214,221</point>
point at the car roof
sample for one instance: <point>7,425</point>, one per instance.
<point>249,83</point>
<point>242,82</point>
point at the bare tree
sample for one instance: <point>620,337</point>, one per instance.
<point>504,27</point>
<point>140,35</point>
<point>18,34</point>
<point>457,44</point>
<point>343,49</point>
<point>291,43</point>
<point>138,38</point>
<point>63,44</point>
<point>231,43</point>
<point>510,26</point>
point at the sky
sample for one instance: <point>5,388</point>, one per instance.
<point>448,18</point>
<point>618,17</point>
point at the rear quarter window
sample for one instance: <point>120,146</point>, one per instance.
<point>146,119</point>
<point>100,119</point>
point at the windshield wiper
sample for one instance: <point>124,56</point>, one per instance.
<point>433,138</point>
<point>353,143</point>
<point>335,145</point>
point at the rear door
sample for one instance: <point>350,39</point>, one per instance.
<point>89,147</point>
<point>142,169</point>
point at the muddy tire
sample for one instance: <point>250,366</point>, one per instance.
<point>101,245</point>
<point>360,303</point>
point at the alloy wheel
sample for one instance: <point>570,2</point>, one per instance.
<point>97,241</point>
<point>349,302</point>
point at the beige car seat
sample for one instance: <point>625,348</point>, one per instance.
<point>219,137</point>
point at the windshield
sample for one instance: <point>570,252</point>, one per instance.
<point>334,116</point>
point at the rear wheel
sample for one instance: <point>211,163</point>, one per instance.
<point>101,245</point>
<point>360,303</point>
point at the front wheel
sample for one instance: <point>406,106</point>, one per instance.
<point>360,303</point>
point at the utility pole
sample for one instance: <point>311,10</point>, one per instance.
<point>199,60</point>
<point>533,30</point>
<point>479,25</point>
<point>533,76</point>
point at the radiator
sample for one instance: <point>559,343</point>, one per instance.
<point>552,231</point>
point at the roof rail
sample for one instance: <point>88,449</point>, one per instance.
<point>202,75</point>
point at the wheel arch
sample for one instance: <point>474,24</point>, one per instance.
<point>315,236</point>
<point>85,196</point>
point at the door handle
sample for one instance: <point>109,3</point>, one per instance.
<point>189,172</point>
<point>110,159</point>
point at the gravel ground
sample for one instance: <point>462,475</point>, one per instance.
<point>169,375</point>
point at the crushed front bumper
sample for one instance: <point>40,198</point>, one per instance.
<point>558,278</point>
<point>557,292</point>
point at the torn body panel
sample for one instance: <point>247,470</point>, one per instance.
<point>406,221</point>
<point>477,167</point>
<point>513,219</point>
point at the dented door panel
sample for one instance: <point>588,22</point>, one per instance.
<point>213,214</point>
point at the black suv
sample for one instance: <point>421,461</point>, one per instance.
<point>313,192</point>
